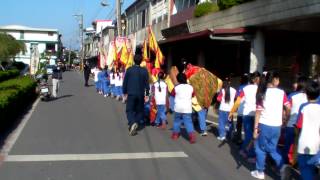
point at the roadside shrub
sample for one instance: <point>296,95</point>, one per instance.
<point>225,4</point>
<point>5,75</point>
<point>15,94</point>
<point>205,8</point>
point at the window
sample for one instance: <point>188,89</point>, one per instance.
<point>154,21</point>
<point>143,19</point>
<point>50,47</point>
<point>165,16</point>
<point>50,33</point>
<point>21,34</point>
<point>159,19</point>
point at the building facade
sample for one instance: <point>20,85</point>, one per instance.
<point>45,40</point>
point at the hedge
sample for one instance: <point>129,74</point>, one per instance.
<point>15,95</point>
<point>5,75</point>
<point>205,8</point>
<point>224,4</point>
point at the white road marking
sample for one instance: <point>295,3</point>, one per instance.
<point>11,140</point>
<point>94,157</point>
<point>211,122</point>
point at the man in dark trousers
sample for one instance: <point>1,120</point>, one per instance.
<point>86,72</point>
<point>136,89</point>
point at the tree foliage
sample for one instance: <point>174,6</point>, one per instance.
<point>205,8</point>
<point>9,46</point>
<point>224,4</point>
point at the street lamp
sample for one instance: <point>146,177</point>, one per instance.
<point>81,38</point>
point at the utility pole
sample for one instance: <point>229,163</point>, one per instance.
<point>81,38</point>
<point>118,16</point>
<point>69,58</point>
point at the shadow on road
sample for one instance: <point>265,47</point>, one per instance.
<point>59,97</point>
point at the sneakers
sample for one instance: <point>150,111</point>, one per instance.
<point>204,133</point>
<point>133,129</point>
<point>257,174</point>
<point>192,138</point>
<point>175,136</point>
<point>221,138</point>
<point>164,126</point>
<point>105,95</point>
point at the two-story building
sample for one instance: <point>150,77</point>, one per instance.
<point>45,40</point>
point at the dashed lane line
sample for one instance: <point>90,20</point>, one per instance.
<point>94,157</point>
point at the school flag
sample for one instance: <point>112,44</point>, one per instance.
<point>153,45</point>
<point>124,56</point>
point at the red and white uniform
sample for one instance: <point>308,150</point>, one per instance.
<point>226,106</point>
<point>309,123</point>
<point>272,107</point>
<point>183,94</point>
<point>248,95</point>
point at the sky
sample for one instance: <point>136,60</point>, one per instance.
<point>57,14</point>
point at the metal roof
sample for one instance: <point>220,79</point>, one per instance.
<point>26,28</point>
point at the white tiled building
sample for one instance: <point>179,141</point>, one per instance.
<point>44,39</point>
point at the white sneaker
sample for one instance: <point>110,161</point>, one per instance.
<point>133,129</point>
<point>105,95</point>
<point>204,133</point>
<point>221,138</point>
<point>257,174</point>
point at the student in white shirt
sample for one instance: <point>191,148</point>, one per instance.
<point>247,96</point>
<point>296,99</point>
<point>118,84</point>
<point>160,92</point>
<point>183,94</point>
<point>308,125</point>
<point>271,101</point>
<point>226,99</point>
<point>95,72</point>
<point>112,82</point>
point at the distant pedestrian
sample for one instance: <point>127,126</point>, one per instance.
<point>308,126</point>
<point>183,94</point>
<point>95,71</point>
<point>56,77</point>
<point>86,73</point>
<point>136,89</point>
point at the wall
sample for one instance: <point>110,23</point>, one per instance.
<point>256,13</point>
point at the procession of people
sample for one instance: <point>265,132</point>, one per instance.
<point>267,115</point>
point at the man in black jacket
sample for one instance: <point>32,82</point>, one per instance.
<point>136,89</point>
<point>56,77</point>
<point>86,73</point>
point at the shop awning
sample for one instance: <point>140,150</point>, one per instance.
<point>235,34</point>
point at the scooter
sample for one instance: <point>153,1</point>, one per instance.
<point>45,94</point>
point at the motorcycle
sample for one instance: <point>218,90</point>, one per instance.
<point>45,94</point>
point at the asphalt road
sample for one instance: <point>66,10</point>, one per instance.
<point>80,135</point>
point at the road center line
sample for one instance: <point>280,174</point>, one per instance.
<point>94,157</point>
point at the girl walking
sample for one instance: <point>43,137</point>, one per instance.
<point>271,101</point>
<point>160,92</point>
<point>226,99</point>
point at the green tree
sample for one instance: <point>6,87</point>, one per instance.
<point>224,4</point>
<point>9,47</point>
